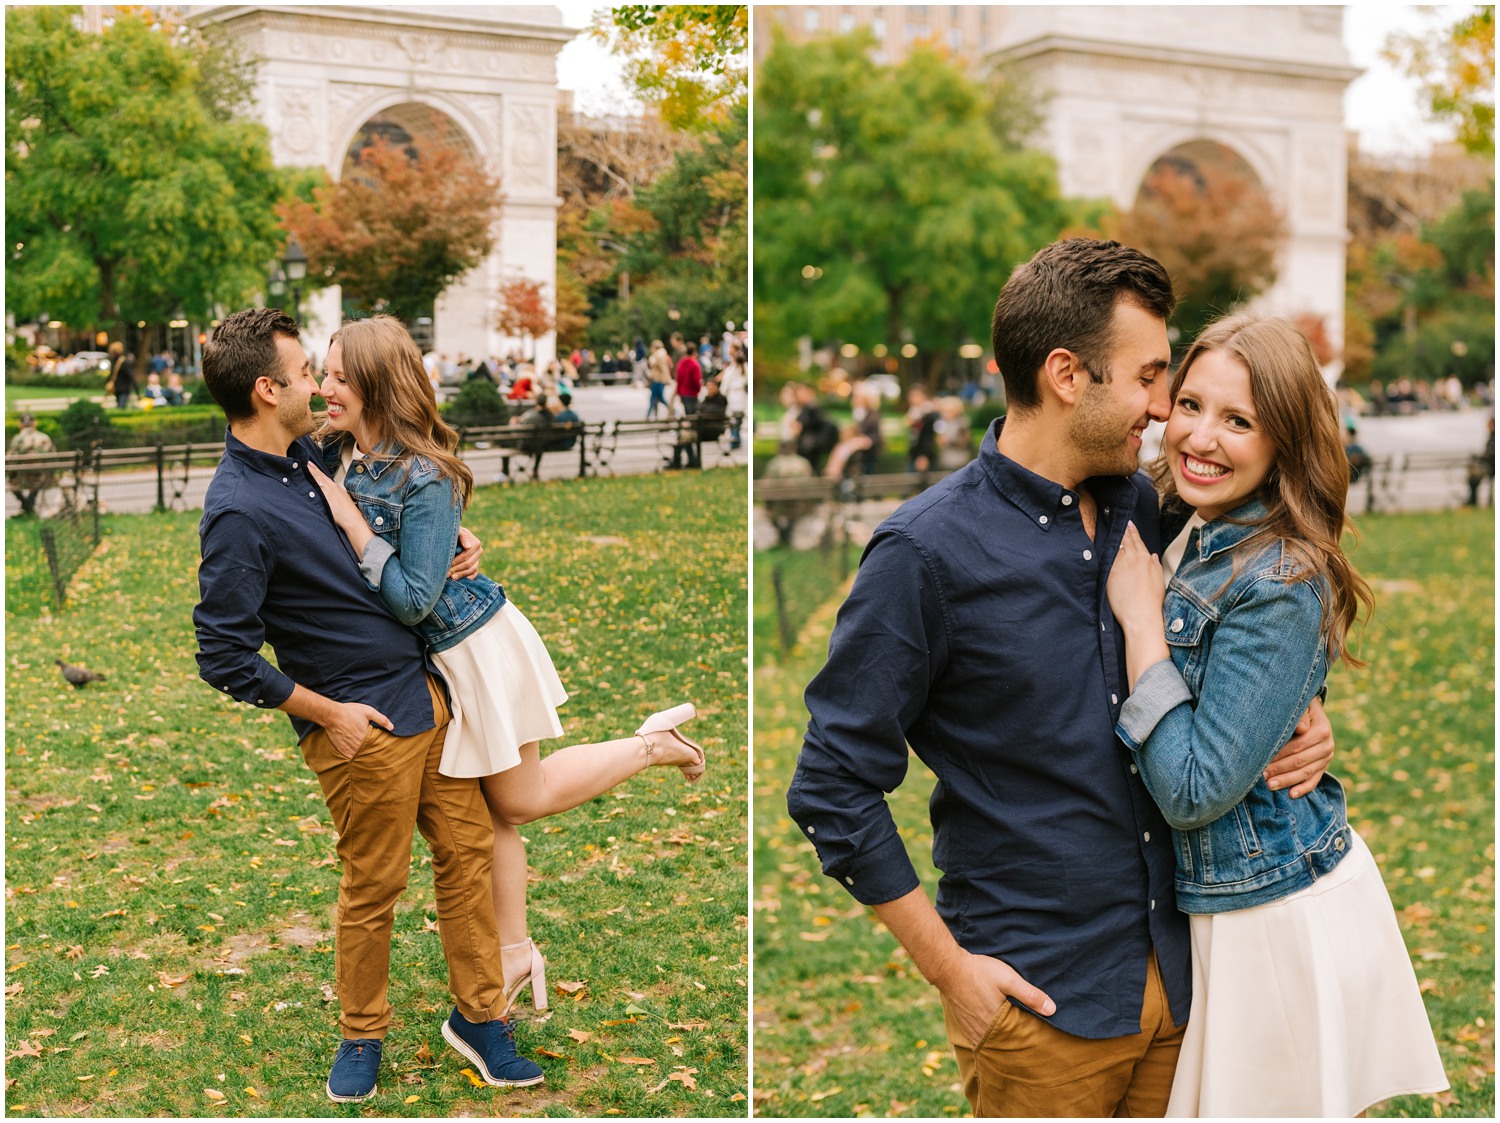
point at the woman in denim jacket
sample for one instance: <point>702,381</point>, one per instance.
<point>1304,998</point>
<point>398,491</point>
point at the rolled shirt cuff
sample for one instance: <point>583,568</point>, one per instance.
<point>1158,692</point>
<point>882,875</point>
<point>372,564</point>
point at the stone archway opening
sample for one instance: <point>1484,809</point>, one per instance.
<point>1199,160</point>
<point>406,126</point>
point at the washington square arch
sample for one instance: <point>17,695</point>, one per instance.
<point>1259,86</point>
<point>483,78</point>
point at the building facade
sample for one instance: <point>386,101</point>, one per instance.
<point>481,77</point>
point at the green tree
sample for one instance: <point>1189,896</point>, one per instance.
<point>688,62</point>
<point>887,209</point>
<point>400,226</point>
<point>688,241</point>
<point>1456,66</point>
<point>130,188</point>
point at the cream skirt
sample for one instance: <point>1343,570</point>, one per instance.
<point>1307,1006</point>
<point>504,692</point>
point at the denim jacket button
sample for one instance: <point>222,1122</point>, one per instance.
<point>1338,843</point>
<point>1177,624</point>
<point>379,520</point>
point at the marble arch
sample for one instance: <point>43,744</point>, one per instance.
<point>1124,85</point>
<point>325,71</point>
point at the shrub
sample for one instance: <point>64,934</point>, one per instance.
<point>478,403</point>
<point>84,422</point>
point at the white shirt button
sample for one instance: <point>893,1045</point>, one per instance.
<point>1148,836</point>
<point>1153,905</point>
<point>848,881</point>
<point>1067,500</point>
<point>283,479</point>
<point>260,701</point>
<point>1177,625</point>
<point>1088,555</point>
<point>1106,510</point>
<point>1114,699</point>
<point>311,494</point>
<point>294,463</point>
<point>1103,627</point>
<point>1043,520</point>
<point>1133,770</point>
<point>812,830</point>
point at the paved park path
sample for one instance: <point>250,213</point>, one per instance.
<point>1460,432</point>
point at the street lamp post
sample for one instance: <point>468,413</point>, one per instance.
<point>295,264</point>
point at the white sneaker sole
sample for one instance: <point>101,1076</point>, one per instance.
<point>350,1099</point>
<point>458,1043</point>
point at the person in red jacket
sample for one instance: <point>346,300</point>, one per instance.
<point>689,382</point>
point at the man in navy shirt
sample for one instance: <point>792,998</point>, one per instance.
<point>276,569</point>
<point>978,632</point>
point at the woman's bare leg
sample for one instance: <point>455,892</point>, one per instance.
<point>536,788</point>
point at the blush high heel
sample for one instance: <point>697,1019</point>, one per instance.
<point>535,978</point>
<point>667,721</point>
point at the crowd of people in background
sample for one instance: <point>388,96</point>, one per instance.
<point>1406,396</point>
<point>939,435</point>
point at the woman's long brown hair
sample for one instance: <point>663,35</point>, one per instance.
<point>1307,490</point>
<point>384,367</point>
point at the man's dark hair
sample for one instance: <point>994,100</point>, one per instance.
<point>1065,296</point>
<point>243,348</point>
<point>566,399</point>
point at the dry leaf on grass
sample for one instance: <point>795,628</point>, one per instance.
<point>681,1076</point>
<point>214,1094</point>
<point>411,1099</point>
<point>549,1053</point>
<point>24,1049</point>
<point>580,1035</point>
<point>568,988</point>
<point>473,1078</point>
<point>636,1061</point>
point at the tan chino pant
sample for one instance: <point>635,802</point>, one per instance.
<point>376,799</point>
<point>1025,1067</point>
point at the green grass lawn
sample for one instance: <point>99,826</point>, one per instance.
<point>170,869</point>
<point>16,396</point>
<point>846,1026</point>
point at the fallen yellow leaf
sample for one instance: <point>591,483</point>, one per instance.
<point>252,1092</point>
<point>473,1079</point>
<point>410,1100</point>
<point>214,1094</point>
<point>636,1061</point>
<point>579,1035</point>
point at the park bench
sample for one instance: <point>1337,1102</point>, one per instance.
<point>518,442</point>
<point>788,501</point>
<point>1386,477</point>
<point>664,435</point>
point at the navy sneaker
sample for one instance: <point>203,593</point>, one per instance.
<point>354,1069</point>
<point>492,1047</point>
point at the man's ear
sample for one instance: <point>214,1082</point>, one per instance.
<point>1062,377</point>
<point>265,389</point>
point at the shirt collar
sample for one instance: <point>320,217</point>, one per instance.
<point>1221,534</point>
<point>266,463</point>
<point>1040,499</point>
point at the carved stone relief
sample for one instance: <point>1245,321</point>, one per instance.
<point>529,127</point>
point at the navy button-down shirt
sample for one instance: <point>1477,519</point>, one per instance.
<point>277,569</point>
<point>978,632</point>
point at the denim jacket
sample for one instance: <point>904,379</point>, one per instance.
<point>415,520</point>
<point>1248,657</point>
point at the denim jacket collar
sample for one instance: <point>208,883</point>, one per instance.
<point>1220,534</point>
<point>380,459</point>
<point>1037,497</point>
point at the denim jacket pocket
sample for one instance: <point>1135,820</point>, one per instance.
<point>383,515</point>
<point>1187,628</point>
